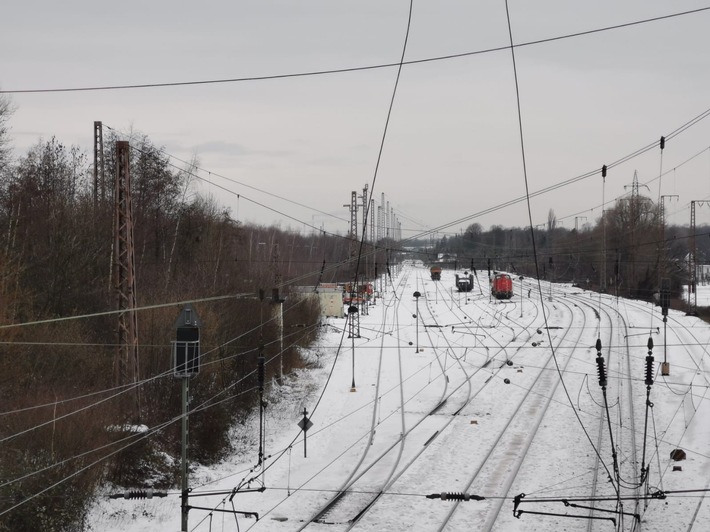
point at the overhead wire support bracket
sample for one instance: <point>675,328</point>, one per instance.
<point>245,514</point>
<point>597,509</point>
<point>517,512</point>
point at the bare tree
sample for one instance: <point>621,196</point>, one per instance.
<point>551,220</point>
<point>6,110</point>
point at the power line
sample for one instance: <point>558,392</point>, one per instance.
<point>534,247</point>
<point>231,180</point>
<point>356,69</point>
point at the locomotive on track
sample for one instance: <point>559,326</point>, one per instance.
<point>464,283</point>
<point>501,286</point>
<point>435,272</point>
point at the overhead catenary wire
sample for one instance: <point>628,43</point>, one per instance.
<point>364,231</point>
<point>534,247</point>
<point>137,437</point>
<point>230,179</point>
<point>500,206</point>
<point>672,134</point>
<point>136,385</point>
<point>357,69</point>
<point>100,460</point>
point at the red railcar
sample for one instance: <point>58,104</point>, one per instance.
<point>502,286</point>
<point>355,295</point>
<point>435,272</point>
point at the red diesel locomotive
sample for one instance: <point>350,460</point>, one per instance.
<point>502,286</point>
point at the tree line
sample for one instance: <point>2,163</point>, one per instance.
<point>626,252</point>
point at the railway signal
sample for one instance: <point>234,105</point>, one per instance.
<point>186,363</point>
<point>304,425</point>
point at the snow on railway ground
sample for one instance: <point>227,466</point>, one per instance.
<point>490,333</point>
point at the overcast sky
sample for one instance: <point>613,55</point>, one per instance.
<point>452,150</point>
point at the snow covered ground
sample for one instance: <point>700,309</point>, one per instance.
<point>461,393</point>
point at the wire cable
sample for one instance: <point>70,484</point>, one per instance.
<point>532,235</point>
<point>356,69</point>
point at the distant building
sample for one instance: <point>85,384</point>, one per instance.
<point>331,300</point>
<point>703,273</point>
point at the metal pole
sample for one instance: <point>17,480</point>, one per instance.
<point>281,341</point>
<point>417,332</point>
<point>602,284</point>
<point>184,502</point>
<point>352,386</point>
<point>352,310</point>
<point>665,345</point>
<point>417,295</point>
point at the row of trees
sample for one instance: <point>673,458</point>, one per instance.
<point>627,252</point>
<point>63,420</point>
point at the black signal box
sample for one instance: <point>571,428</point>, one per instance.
<point>186,348</point>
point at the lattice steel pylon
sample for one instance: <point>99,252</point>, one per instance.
<point>276,264</point>
<point>126,361</point>
<point>353,224</point>
<point>354,319</point>
<point>365,210</point>
<point>99,181</point>
<point>381,219</point>
<point>692,263</point>
<point>372,222</point>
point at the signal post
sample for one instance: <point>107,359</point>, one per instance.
<point>186,363</point>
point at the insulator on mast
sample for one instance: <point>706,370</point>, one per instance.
<point>649,363</point>
<point>601,370</point>
<point>444,496</point>
<point>138,494</point>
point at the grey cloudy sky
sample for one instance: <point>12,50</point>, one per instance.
<point>453,145</point>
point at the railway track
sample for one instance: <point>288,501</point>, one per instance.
<point>625,476</point>
<point>361,491</point>
<point>481,419</point>
<point>362,503</point>
<point>498,468</point>
<point>686,374</point>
